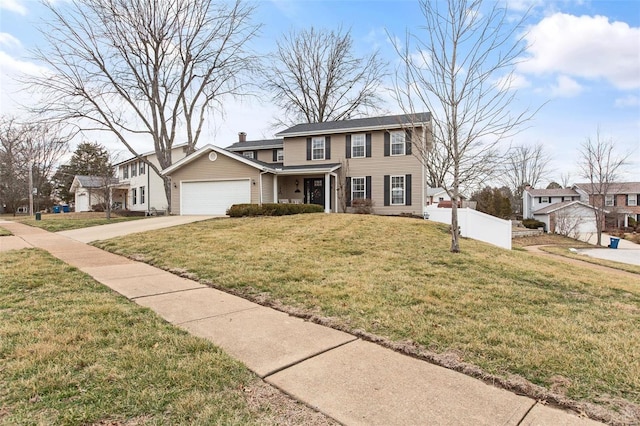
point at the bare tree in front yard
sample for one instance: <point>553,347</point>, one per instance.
<point>152,70</point>
<point>525,165</point>
<point>461,69</point>
<point>568,225</point>
<point>315,76</point>
<point>600,164</point>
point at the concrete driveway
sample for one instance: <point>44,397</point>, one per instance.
<point>104,232</point>
<point>627,252</point>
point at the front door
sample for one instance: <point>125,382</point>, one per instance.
<point>314,191</point>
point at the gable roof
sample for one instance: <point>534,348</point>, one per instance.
<point>221,151</point>
<point>148,153</point>
<point>614,188</point>
<point>82,181</point>
<point>559,206</point>
<point>358,124</point>
<point>558,192</point>
<point>259,144</point>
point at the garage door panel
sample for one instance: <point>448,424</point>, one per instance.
<point>213,197</point>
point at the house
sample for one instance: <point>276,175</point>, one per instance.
<point>534,200</point>
<point>330,164</point>
<point>90,191</point>
<point>571,218</point>
<point>621,201</point>
<point>436,195</point>
<point>139,187</point>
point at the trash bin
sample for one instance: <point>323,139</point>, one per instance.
<point>38,216</point>
<point>614,242</point>
<point>65,208</point>
<point>56,209</point>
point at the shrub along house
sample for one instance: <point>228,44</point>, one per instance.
<point>330,164</point>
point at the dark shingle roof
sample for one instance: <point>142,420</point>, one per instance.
<point>557,192</point>
<point>94,181</point>
<point>260,144</point>
<point>385,122</point>
<point>614,188</point>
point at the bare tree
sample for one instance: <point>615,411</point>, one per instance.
<point>316,77</point>
<point>600,164</point>
<point>567,225</point>
<point>524,165</point>
<point>145,69</point>
<point>28,154</point>
<point>565,179</point>
<point>462,71</point>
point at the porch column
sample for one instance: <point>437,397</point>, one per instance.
<point>327,193</point>
<point>275,188</point>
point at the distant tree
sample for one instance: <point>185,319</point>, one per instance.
<point>565,180</point>
<point>600,164</point>
<point>155,70</point>
<point>315,76</point>
<point>28,154</point>
<point>461,70</point>
<point>493,201</point>
<point>89,159</point>
<point>554,185</point>
<point>524,166</point>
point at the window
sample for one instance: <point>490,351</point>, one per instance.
<point>544,199</point>
<point>397,143</point>
<point>125,171</point>
<point>397,190</point>
<point>142,169</point>
<point>358,188</point>
<point>317,149</point>
<point>248,154</point>
<point>632,199</point>
<point>134,170</point>
<point>134,196</point>
<point>142,195</point>
<point>608,200</point>
<point>280,156</point>
<point>357,146</point>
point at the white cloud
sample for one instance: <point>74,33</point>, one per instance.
<point>11,65</point>
<point>586,47</point>
<point>13,6</point>
<point>565,87</point>
<point>512,81</point>
<point>627,101</point>
<point>8,40</point>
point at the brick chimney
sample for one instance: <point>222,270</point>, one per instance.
<point>242,137</point>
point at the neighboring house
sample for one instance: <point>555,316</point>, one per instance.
<point>534,200</point>
<point>330,164</point>
<point>89,191</point>
<point>570,218</point>
<point>140,188</point>
<point>436,195</point>
<point>621,202</point>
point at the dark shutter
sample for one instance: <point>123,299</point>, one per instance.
<point>275,155</point>
<point>407,142</point>
<point>348,192</point>
<point>327,148</point>
<point>387,144</point>
<point>367,181</point>
<point>308,149</point>
<point>387,190</point>
<point>347,152</point>
<point>407,190</point>
<point>368,144</point>
<point>255,155</point>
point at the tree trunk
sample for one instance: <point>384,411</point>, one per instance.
<point>455,244</point>
<point>167,191</point>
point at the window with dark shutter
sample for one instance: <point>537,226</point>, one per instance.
<point>368,186</point>
<point>348,191</point>
<point>368,144</point>
<point>347,150</point>
<point>387,190</point>
<point>275,155</point>
<point>387,144</point>
<point>407,190</point>
<point>308,149</point>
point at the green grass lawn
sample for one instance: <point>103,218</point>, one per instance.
<point>67,221</point>
<point>570,329</point>
<point>4,232</point>
<point>72,352</point>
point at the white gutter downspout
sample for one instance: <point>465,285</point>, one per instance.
<point>335,190</point>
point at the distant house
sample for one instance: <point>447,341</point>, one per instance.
<point>534,200</point>
<point>621,201</point>
<point>436,195</point>
<point>571,218</point>
<point>90,191</point>
<point>330,164</point>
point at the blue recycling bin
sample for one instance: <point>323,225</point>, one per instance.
<point>56,209</point>
<point>614,242</point>
<point>65,208</point>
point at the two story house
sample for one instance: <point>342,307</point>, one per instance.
<point>139,187</point>
<point>330,164</point>
<point>559,209</point>
<point>621,202</point>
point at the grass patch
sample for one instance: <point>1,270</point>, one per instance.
<point>548,239</point>
<point>507,312</point>
<point>4,232</point>
<point>73,352</point>
<point>67,221</point>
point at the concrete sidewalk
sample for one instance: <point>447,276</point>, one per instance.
<point>351,380</point>
<point>627,252</point>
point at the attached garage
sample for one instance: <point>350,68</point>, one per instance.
<point>213,197</point>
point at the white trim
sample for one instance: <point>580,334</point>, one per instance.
<point>403,144</point>
<point>315,140</point>
<point>404,190</point>
<point>635,200</point>
<point>364,186</point>
<point>220,151</point>
<point>364,145</point>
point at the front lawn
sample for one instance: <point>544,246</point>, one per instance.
<point>569,329</point>
<point>66,221</point>
<point>73,352</point>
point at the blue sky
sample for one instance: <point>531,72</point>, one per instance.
<point>584,63</point>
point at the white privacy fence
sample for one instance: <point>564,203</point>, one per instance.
<point>475,225</point>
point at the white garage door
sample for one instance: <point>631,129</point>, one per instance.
<point>213,197</point>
